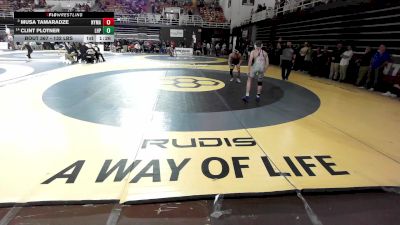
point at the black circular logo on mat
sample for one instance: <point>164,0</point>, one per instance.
<point>190,84</point>
<point>154,98</point>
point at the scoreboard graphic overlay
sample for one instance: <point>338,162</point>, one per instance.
<point>64,27</point>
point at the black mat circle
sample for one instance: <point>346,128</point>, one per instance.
<point>128,97</point>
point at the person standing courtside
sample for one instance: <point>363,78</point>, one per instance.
<point>287,60</point>
<point>304,51</point>
<point>379,61</point>
<point>98,53</point>
<point>204,49</point>
<point>258,64</point>
<point>71,53</point>
<point>364,62</point>
<point>336,57</point>
<point>344,63</point>
<point>235,59</point>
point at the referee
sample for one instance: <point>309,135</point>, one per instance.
<point>287,60</point>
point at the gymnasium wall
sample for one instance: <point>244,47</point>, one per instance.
<point>165,34</point>
<point>359,25</point>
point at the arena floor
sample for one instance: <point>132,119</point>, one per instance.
<point>150,129</point>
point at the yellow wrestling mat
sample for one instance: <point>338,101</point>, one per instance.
<point>156,130</point>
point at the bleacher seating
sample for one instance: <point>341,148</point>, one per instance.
<point>129,31</point>
<point>160,5</point>
<point>212,14</point>
<point>122,6</point>
<point>359,25</point>
<point>209,11</point>
<point>5,6</point>
<point>131,12</point>
<point>29,5</point>
<point>13,5</point>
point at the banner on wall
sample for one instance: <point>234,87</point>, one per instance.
<point>176,33</point>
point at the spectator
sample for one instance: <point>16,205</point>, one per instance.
<point>287,60</point>
<point>308,59</point>
<point>131,47</point>
<point>315,61</point>
<point>137,47</point>
<point>344,62</point>
<point>224,52</point>
<point>10,40</point>
<point>197,48</point>
<point>90,55</point>
<point>98,53</point>
<point>82,52</point>
<point>277,52</point>
<point>71,53</point>
<point>167,47</point>
<point>364,62</point>
<point>217,49</point>
<point>379,61</point>
<point>119,47</point>
<point>302,55</point>
<point>270,49</point>
<point>323,68</point>
<point>204,48</point>
<point>335,61</point>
